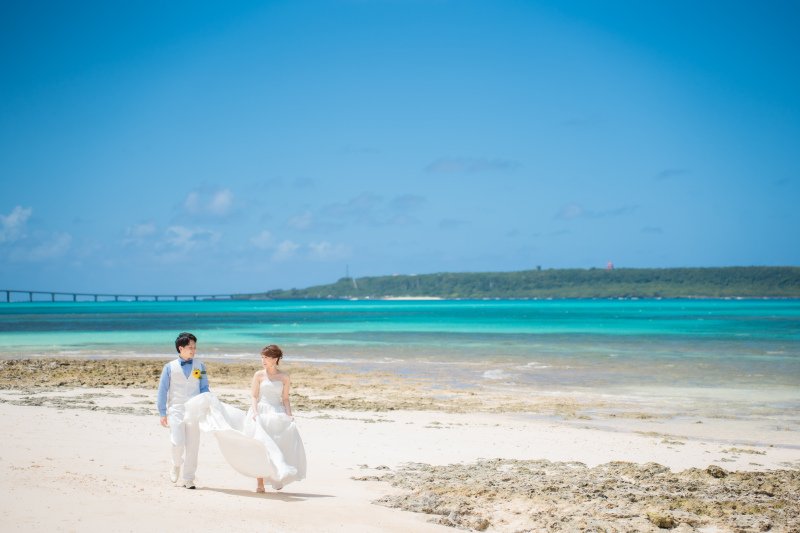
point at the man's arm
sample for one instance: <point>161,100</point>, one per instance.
<point>163,387</point>
<point>203,380</point>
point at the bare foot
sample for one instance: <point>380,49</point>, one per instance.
<point>260,489</point>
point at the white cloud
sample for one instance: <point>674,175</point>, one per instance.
<point>264,240</point>
<point>469,164</point>
<point>360,206</point>
<point>192,203</point>
<point>12,227</point>
<point>35,249</point>
<point>370,209</point>
<point>303,183</point>
<point>402,220</point>
<point>285,251</point>
<point>570,211</point>
<point>139,232</point>
<point>221,202</point>
<point>215,203</point>
<point>407,201</point>
<point>672,172</point>
<point>51,248</point>
<point>186,239</point>
<point>446,165</point>
<point>365,209</point>
<point>88,247</point>
<point>325,251</point>
<point>575,211</point>
<point>304,221</point>
<point>451,223</point>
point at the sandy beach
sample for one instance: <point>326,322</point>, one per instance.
<point>385,453</point>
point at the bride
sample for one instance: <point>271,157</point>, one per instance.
<point>264,443</point>
<point>270,413</point>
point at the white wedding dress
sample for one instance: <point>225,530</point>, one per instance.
<point>268,447</point>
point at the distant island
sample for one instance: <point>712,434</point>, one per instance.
<point>712,282</point>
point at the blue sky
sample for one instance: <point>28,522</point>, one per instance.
<point>200,147</point>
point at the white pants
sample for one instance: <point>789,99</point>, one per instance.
<point>185,436</point>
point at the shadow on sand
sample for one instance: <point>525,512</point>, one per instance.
<point>277,496</point>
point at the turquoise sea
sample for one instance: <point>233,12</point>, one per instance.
<point>735,357</point>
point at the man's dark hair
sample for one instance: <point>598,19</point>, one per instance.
<point>183,340</point>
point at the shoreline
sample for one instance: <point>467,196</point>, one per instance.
<point>671,449</point>
<point>409,298</point>
<point>338,386</point>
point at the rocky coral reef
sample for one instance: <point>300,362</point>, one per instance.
<point>314,387</point>
<point>54,372</point>
<point>538,496</point>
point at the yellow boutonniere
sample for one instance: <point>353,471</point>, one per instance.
<point>198,374</point>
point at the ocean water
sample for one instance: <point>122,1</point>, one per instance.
<point>735,358</point>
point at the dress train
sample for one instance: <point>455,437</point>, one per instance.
<point>268,447</point>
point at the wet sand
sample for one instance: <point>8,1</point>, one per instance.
<point>83,451</point>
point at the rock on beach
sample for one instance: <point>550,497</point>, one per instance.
<point>537,496</point>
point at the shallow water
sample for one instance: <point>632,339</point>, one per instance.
<point>737,358</point>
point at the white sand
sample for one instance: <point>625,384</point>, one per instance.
<point>81,470</point>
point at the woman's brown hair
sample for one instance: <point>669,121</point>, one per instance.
<point>274,352</point>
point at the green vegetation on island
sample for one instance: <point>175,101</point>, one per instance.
<point>724,282</point>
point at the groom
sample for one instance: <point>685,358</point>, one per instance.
<point>182,379</point>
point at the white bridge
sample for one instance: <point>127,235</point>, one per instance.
<point>89,297</point>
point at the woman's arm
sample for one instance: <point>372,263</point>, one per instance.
<point>286,405</point>
<point>254,388</point>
